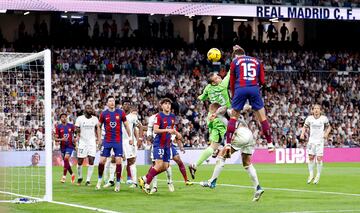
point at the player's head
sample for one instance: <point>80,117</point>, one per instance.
<point>213,107</point>
<point>238,51</point>
<point>63,118</point>
<point>88,110</point>
<point>35,158</point>
<point>213,78</point>
<point>133,109</point>
<point>165,104</point>
<point>316,109</point>
<point>126,106</point>
<point>110,101</point>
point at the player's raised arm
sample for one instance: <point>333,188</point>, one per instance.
<point>204,96</point>
<point>226,80</point>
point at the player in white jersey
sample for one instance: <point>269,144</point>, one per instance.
<point>319,132</point>
<point>243,140</point>
<point>86,129</point>
<point>130,150</point>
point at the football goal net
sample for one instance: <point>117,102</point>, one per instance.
<point>25,126</point>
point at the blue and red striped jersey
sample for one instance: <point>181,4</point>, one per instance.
<point>113,122</point>
<point>164,122</point>
<point>246,71</point>
<point>66,131</point>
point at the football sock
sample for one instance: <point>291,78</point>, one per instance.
<point>252,174</point>
<point>204,156</point>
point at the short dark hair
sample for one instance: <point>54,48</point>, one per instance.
<point>238,50</point>
<point>165,100</point>
<point>63,114</point>
<point>110,96</point>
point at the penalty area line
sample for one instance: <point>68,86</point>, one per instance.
<point>282,189</point>
<point>325,211</point>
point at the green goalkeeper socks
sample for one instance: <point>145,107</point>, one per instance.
<point>204,155</point>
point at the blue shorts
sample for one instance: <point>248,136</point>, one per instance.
<point>67,150</point>
<point>247,93</point>
<point>173,151</point>
<point>162,153</point>
<point>106,149</point>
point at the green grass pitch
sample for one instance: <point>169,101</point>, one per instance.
<point>285,191</point>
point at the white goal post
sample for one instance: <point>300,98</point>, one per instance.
<point>15,62</point>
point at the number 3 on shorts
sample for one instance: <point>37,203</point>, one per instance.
<point>161,152</point>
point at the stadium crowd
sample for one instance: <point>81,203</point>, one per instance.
<point>143,76</point>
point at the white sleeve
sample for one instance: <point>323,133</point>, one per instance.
<point>326,121</point>
<point>307,122</point>
<point>150,126</point>
<point>77,122</point>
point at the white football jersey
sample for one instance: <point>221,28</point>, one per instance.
<point>317,128</point>
<point>132,119</point>
<point>87,129</point>
<point>150,127</point>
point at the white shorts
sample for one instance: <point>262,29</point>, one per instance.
<point>243,140</point>
<point>129,151</point>
<point>86,149</point>
<point>316,149</point>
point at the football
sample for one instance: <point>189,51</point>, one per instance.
<point>214,55</point>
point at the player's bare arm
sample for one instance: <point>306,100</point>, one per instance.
<point>99,133</point>
<point>140,134</point>
<point>127,127</point>
<point>327,132</point>
<point>157,130</point>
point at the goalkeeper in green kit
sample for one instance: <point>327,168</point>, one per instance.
<point>217,93</point>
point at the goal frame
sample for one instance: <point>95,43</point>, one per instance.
<point>46,55</point>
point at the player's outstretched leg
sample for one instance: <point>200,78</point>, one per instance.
<point>250,169</point>
<point>203,156</point>
<point>211,183</point>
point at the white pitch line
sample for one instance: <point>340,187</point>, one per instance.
<point>283,189</point>
<point>84,207</point>
<point>62,203</point>
<point>325,211</point>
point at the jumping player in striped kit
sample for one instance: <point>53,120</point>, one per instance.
<point>246,76</point>
<point>112,119</point>
<point>64,133</point>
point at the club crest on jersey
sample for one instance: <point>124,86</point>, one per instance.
<point>69,130</point>
<point>112,124</point>
<point>117,117</point>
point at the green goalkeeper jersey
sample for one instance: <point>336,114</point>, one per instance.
<point>217,129</point>
<point>218,93</point>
